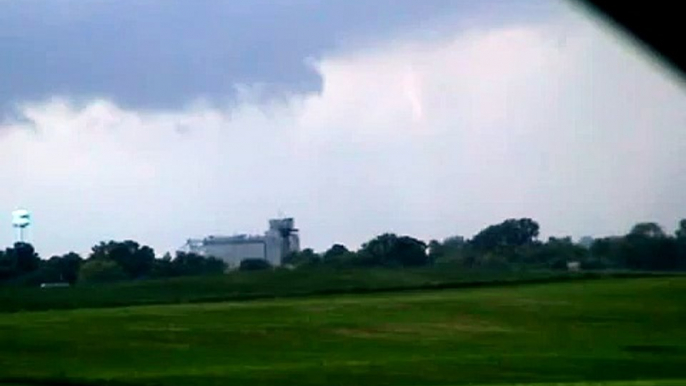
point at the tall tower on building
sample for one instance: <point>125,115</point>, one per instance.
<point>282,239</point>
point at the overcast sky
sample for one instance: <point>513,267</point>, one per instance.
<point>161,120</point>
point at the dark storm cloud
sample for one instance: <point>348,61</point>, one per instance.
<point>164,53</point>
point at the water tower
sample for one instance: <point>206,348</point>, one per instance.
<point>21,219</point>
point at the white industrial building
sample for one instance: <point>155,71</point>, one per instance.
<point>278,241</point>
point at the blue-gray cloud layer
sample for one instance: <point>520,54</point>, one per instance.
<point>166,53</point>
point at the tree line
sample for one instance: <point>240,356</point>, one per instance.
<point>512,243</point>
<point>107,262</point>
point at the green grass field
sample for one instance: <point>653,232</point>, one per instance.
<point>610,332</point>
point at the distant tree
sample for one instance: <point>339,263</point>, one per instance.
<point>648,229</point>
<point>163,267</point>
<point>493,261</point>
<point>435,250</point>
<point>392,250</point>
<point>65,268</point>
<point>339,256</point>
<point>604,253</point>
<point>509,234</point>
<point>556,252</point>
<point>336,250</point>
<point>306,257</point>
<point>586,242</point>
<point>647,247</point>
<point>19,260</point>
<point>8,266</point>
<point>214,265</point>
<point>410,252</point>
<point>379,251</point>
<point>607,248</point>
<point>192,264</point>
<point>558,264</point>
<point>681,244</point>
<point>136,260</point>
<point>649,250</point>
<point>26,258</point>
<point>254,265</point>
<point>454,242</point>
<point>188,264</point>
<point>641,249</point>
<point>101,271</point>
<point>450,249</point>
<point>681,230</point>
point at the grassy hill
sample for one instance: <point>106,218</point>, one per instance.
<point>604,332</point>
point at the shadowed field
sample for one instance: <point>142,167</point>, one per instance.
<point>275,284</point>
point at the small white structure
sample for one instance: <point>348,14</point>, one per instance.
<point>54,285</point>
<point>573,266</point>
